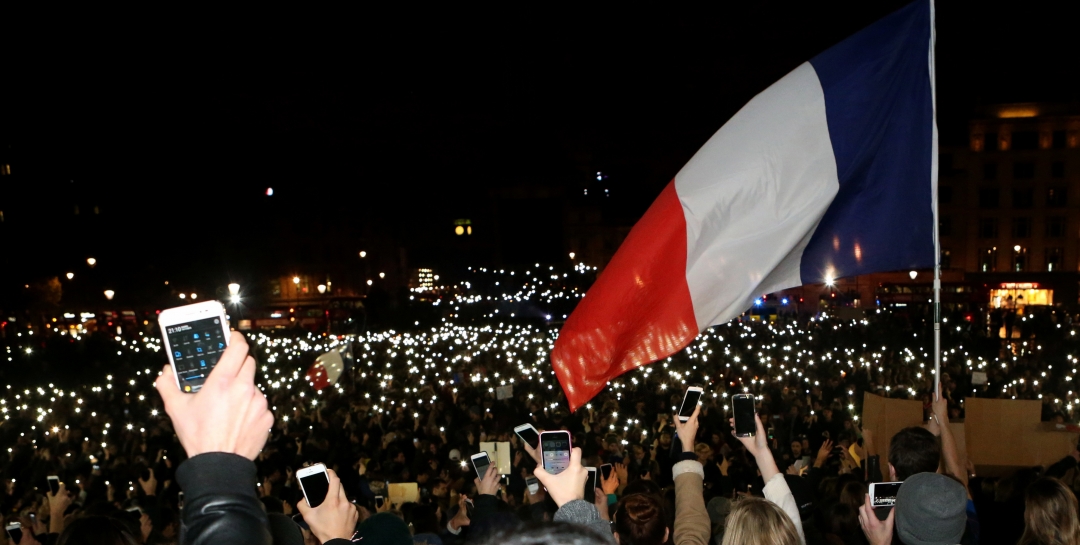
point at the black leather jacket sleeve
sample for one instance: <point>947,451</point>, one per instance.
<point>220,503</point>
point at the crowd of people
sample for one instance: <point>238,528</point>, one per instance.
<point>145,466</point>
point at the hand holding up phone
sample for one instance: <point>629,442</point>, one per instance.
<point>687,431</point>
<point>567,485</point>
<point>335,517</point>
<point>229,414</point>
<point>756,444</point>
<point>490,483</point>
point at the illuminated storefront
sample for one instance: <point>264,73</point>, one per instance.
<point>1020,294</point>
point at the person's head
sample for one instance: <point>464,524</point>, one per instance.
<point>796,449</point>
<point>1050,513</point>
<point>99,530</point>
<point>639,520</point>
<point>931,509</point>
<point>639,451</point>
<point>913,450</point>
<point>757,521</point>
<point>703,451</point>
<point>665,438</point>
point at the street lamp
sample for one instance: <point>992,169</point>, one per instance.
<point>296,280</point>
<point>913,274</point>
<point>91,261</point>
<point>109,294</point>
<point>322,288</point>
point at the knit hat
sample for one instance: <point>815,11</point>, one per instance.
<point>931,509</point>
<point>384,529</point>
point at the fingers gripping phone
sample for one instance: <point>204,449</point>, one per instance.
<point>480,462</point>
<point>743,408</point>
<point>314,483</point>
<point>555,451</point>
<point>689,403</point>
<point>195,336</point>
<point>590,485</point>
<point>528,434</point>
<point>54,484</point>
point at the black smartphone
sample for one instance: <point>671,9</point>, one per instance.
<point>590,485</point>
<point>54,484</point>
<point>379,500</point>
<point>743,409</point>
<point>689,403</point>
<point>528,434</point>
<point>606,470</point>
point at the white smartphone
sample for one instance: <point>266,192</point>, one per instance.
<point>883,494</point>
<point>14,531</point>
<point>689,402</point>
<point>314,483</point>
<point>555,451</point>
<point>528,434</point>
<point>54,484</point>
<point>533,483</point>
<point>590,485</point>
<point>480,462</point>
<point>195,336</point>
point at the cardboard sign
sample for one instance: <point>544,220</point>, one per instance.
<point>504,392</point>
<point>404,493</point>
<point>978,378</point>
<point>500,455</point>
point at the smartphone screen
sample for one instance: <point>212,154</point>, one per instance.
<point>54,485</point>
<point>196,347</point>
<point>743,406</point>
<point>605,471</point>
<point>532,482</point>
<point>556,451</point>
<point>529,435</point>
<point>884,494</point>
<point>480,464</point>
<point>590,485</point>
<point>315,486</point>
<point>689,403</point>
<point>379,502</point>
<point>14,531</point>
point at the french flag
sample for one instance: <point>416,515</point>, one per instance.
<point>828,173</point>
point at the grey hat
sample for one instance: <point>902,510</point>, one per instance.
<point>931,509</point>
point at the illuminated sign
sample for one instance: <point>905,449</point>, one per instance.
<point>1019,285</point>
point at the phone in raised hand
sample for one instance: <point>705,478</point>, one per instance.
<point>743,409</point>
<point>555,451</point>
<point>14,531</point>
<point>590,485</point>
<point>605,471</point>
<point>379,501</point>
<point>533,483</point>
<point>54,484</point>
<point>480,462</point>
<point>689,402</point>
<point>195,336</point>
<point>528,434</point>
<point>314,483</point>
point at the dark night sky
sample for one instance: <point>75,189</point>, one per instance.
<point>404,121</point>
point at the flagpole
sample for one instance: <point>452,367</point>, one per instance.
<point>934,199</point>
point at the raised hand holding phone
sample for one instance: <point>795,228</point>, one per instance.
<point>758,447</point>
<point>335,517</point>
<point>567,485</point>
<point>687,429</point>
<point>228,414</point>
<point>490,483</point>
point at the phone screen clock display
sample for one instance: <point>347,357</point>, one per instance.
<point>196,347</point>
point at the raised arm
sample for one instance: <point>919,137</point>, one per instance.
<point>776,488</point>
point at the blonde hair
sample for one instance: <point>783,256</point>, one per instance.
<point>1050,514</point>
<point>756,521</point>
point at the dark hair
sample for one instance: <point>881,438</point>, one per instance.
<point>98,530</point>
<point>423,519</point>
<point>914,450</point>
<point>639,520</point>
